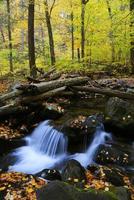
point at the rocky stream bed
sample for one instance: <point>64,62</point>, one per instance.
<point>109,177</point>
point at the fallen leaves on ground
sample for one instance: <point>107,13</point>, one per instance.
<point>95,183</point>
<point>7,133</point>
<point>101,183</point>
<point>18,186</point>
<point>4,85</point>
<point>77,122</point>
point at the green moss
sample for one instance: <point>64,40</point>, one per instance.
<point>110,195</point>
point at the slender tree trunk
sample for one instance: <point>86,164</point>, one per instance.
<point>132,35</point>
<point>83,5</point>
<point>72,33</point>
<point>31,44</point>
<point>78,54</point>
<point>111,34</point>
<point>82,30</point>
<point>50,34</point>
<point>10,36</point>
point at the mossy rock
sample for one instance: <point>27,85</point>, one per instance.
<point>64,191</point>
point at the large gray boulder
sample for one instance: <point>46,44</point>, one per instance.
<point>120,113</point>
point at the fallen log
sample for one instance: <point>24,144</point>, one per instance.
<point>10,109</point>
<point>55,76</point>
<point>107,92</point>
<point>45,87</point>
<point>57,92</point>
<point>10,95</point>
<point>36,89</point>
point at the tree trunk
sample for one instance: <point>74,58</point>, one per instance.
<point>111,34</point>
<point>10,37</point>
<point>132,35</point>
<point>72,30</point>
<point>50,34</point>
<point>82,29</point>
<point>83,5</point>
<point>31,44</point>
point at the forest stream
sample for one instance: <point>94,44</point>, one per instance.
<point>77,149</point>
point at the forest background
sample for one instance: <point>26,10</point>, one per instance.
<point>73,35</point>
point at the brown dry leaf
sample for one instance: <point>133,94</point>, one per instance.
<point>19,186</point>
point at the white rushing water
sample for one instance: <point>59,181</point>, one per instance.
<point>47,147</point>
<point>88,157</point>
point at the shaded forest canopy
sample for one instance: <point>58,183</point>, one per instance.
<point>66,34</point>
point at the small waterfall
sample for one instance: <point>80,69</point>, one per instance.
<point>88,157</point>
<point>45,147</point>
<point>48,140</point>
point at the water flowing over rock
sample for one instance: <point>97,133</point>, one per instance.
<point>88,157</point>
<point>48,140</point>
<point>47,149</point>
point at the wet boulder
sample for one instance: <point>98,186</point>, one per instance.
<point>92,122</point>
<point>74,173</point>
<point>114,155</point>
<point>113,175</point>
<point>49,174</point>
<point>120,116</point>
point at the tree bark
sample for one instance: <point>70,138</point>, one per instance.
<point>10,36</point>
<point>132,35</point>
<point>31,43</point>
<point>50,34</point>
